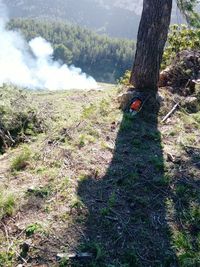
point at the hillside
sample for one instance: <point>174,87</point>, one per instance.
<point>78,179</point>
<point>118,18</point>
<point>105,17</point>
<point>103,57</point>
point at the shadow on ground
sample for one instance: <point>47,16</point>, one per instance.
<point>127,220</point>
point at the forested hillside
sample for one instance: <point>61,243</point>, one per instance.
<point>111,17</point>
<point>104,58</point>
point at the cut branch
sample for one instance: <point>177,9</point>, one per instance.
<point>171,112</point>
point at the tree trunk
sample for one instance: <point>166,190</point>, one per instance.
<point>152,36</point>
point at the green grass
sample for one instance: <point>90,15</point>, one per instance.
<point>101,178</point>
<point>21,161</point>
<point>130,259</point>
<point>6,259</point>
<point>157,162</point>
<point>7,204</point>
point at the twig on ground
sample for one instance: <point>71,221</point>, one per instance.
<point>10,244</point>
<point>7,235</point>
<point>171,112</point>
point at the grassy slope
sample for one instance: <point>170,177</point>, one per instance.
<point>125,189</point>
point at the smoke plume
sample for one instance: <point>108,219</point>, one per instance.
<point>31,65</point>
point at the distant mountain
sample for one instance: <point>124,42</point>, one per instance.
<point>118,18</point>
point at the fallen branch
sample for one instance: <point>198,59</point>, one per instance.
<point>71,256</point>
<point>171,112</point>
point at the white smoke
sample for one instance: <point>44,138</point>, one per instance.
<point>31,65</point>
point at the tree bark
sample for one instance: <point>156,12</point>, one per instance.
<point>152,36</point>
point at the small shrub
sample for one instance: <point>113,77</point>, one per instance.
<point>180,38</point>
<point>33,228</point>
<point>19,116</point>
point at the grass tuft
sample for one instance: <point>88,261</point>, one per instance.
<point>7,204</point>
<point>21,161</point>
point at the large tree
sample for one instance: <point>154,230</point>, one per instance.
<point>152,36</point>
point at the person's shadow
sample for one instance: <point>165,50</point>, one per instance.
<point>127,219</point>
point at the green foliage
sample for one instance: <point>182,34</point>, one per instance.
<point>127,122</point>
<point>105,211</point>
<point>77,203</point>
<point>7,204</point>
<point>33,228</point>
<point>104,107</point>
<point>19,116</point>
<point>157,162</point>
<point>42,192</point>
<point>188,256</point>
<point>112,200</point>
<point>6,258</point>
<point>21,161</point>
<point>180,38</point>
<point>125,79</point>
<point>105,58</point>
<point>187,7</point>
<point>82,141</point>
<point>88,111</point>
<point>64,262</point>
<point>61,52</point>
<point>130,259</point>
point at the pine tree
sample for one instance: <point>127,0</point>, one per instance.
<point>152,36</point>
<point>187,8</point>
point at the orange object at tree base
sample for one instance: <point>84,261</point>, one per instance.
<point>136,105</point>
